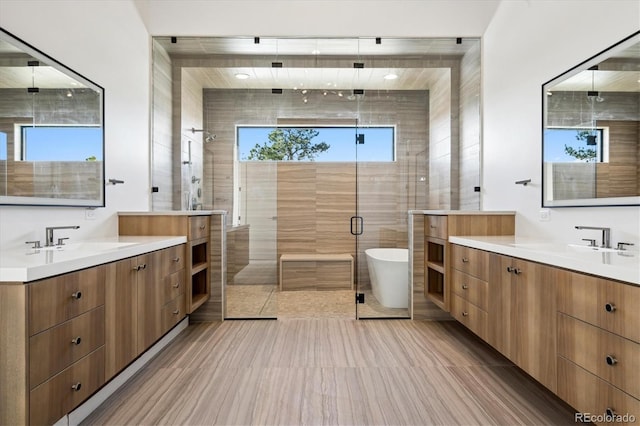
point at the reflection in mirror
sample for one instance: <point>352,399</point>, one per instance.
<point>51,131</point>
<point>591,131</point>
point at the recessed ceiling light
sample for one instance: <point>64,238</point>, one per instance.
<point>242,76</point>
<point>390,76</point>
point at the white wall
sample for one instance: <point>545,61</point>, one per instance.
<point>106,41</point>
<point>527,44</point>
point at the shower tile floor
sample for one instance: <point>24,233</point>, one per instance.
<point>267,301</point>
<point>255,294</point>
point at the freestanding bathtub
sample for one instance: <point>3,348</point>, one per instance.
<point>389,274</point>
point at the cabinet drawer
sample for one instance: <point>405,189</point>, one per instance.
<point>601,302</point>
<point>474,318</point>
<point>172,313</point>
<point>470,288</point>
<point>55,300</point>
<point>435,226</point>
<point>56,397</point>
<point>173,286</point>
<point>587,393</point>
<point>57,348</point>
<point>604,354</point>
<point>470,261</point>
<point>198,227</point>
<point>173,259</point>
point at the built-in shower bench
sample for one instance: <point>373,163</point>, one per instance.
<point>314,271</point>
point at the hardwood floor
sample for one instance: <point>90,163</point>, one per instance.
<point>331,371</point>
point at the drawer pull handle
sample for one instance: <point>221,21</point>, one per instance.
<point>139,267</point>
<point>432,226</point>
<point>465,260</point>
<point>609,412</point>
<point>176,285</point>
<point>176,312</point>
<point>509,269</point>
<point>177,259</point>
<point>76,387</point>
<point>465,314</point>
<point>611,360</point>
<point>517,271</point>
<point>610,307</point>
<point>77,340</point>
<point>464,286</point>
<point>202,226</point>
<point>76,295</point>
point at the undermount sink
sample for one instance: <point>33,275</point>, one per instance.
<point>89,246</point>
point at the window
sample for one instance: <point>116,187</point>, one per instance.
<point>568,145</point>
<point>60,143</point>
<point>3,145</point>
<point>316,143</point>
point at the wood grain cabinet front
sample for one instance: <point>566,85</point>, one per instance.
<point>54,398</point>
<point>197,259</point>
<point>138,288</point>
<point>66,336</point>
<point>469,300</point>
<point>55,300</point>
<point>599,347</point>
<point>441,257</point>
<point>522,314</point>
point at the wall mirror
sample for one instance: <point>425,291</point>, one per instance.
<point>591,131</point>
<point>51,131</point>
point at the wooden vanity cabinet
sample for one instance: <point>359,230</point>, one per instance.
<point>576,334</point>
<point>197,229</point>
<point>470,288</point>
<point>64,337</point>
<point>522,319</point>
<point>437,230</point>
<point>599,345</point>
<point>66,343</point>
<point>140,290</point>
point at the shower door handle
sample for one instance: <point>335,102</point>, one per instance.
<point>357,225</point>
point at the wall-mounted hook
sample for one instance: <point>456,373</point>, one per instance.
<point>523,182</point>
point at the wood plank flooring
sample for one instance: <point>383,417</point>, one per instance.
<point>330,372</point>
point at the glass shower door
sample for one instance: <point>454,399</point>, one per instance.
<point>386,176</point>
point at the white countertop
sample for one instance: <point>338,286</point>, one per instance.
<point>617,265</point>
<point>174,213</point>
<point>462,212</point>
<point>30,264</point>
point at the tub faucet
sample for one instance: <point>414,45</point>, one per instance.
<point>606,232</point>
<point>48,241</point>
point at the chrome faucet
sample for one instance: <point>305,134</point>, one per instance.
<point>606,233</point>
<point>48,241</point>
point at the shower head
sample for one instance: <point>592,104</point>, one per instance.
<point>208,136</point>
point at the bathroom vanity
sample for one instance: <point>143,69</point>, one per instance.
<point>74,316</point>
<point>567,315</point>
<point>80,318</point>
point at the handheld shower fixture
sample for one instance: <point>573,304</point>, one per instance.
<point>208,136</point>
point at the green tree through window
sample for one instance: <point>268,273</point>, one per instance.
<point>292,144</point>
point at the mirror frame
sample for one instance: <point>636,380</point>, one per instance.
<point>47,60</point>
<point>585,65</point>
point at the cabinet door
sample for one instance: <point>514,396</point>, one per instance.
<point>121,315</point>
<point>533,318</point>
<point>150,298</point>
<point>522,315</point>
<point>499,304</point>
